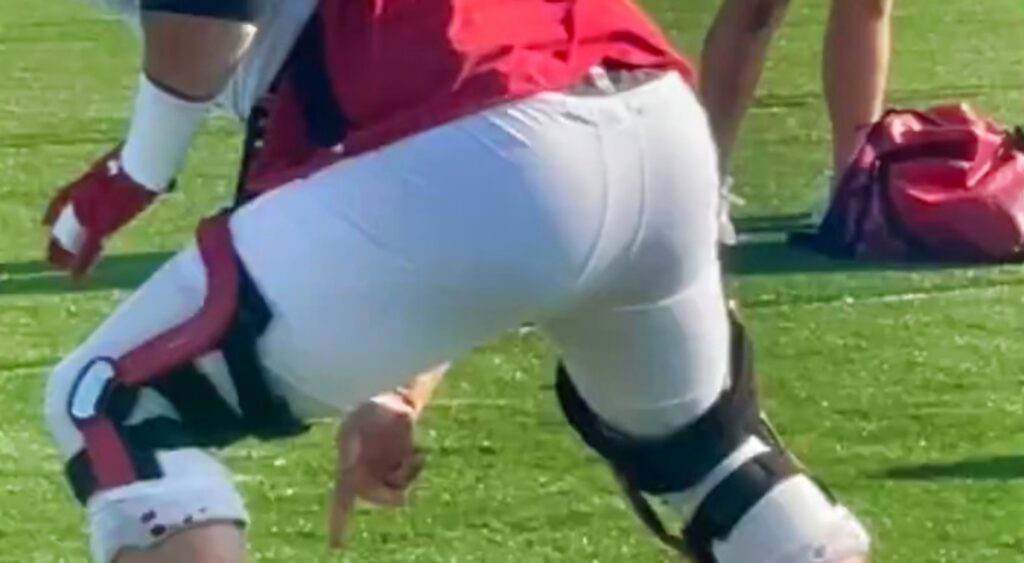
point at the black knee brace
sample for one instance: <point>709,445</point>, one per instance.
<point>682,460</point>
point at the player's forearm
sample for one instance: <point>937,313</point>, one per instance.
<point>734,52</point>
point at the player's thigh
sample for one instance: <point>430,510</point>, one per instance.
<point>648,348</point>
<point>654,368</point>
<point>385,267</point>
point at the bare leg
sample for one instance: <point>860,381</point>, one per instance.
<point>212,543</point>
<point>735,49</point>
<point>855,67</point>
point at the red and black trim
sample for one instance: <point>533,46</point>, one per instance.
<point>318,123</point>
<point>232,318</point>
<point>325,122</point>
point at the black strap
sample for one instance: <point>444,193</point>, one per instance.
<point>674,463</point>
<point>265,414</point>
<point>324,119</point>
<point>681,460</point>
<point>205,414</point>
<point>141,442</point>
<point>324,122</point>
<point>255,128</point>
<point>145,439</point>
<point>732,498</point>
<point>650,518</point>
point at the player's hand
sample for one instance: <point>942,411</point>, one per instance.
<point>377,460</point>
<point>85,212</point>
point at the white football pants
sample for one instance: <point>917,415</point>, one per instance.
<point>592,214</point>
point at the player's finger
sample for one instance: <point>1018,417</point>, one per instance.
<point>382,495</point>
<point>343,503</point>
<point>346,491</point>
<point>86,257</point>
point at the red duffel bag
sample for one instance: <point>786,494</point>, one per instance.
<point>943,184</point>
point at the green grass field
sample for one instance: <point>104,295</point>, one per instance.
<point>902,387</point>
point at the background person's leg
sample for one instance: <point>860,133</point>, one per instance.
<point>735,49</point>
<point>855,68</point>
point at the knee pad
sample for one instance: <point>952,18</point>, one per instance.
<point>753,502</point>
<point>111,449</point>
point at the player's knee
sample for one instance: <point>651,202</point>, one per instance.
<point>56,399</point>
<point>746,499</point>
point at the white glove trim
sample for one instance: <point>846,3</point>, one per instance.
<point>68,231</point>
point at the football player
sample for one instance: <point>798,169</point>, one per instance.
<point>378,463</point>
<point>451,175</point>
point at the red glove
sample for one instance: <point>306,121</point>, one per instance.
<point>85,212</point>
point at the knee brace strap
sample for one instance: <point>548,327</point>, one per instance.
<point>724,506</point>
<point>674,463</point>
<point>681,461</point>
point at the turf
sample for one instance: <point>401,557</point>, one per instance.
<point>902,387</point>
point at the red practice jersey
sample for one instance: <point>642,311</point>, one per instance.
<point>367,73</point>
